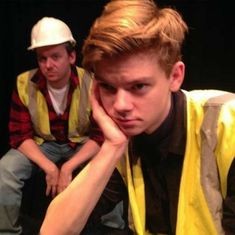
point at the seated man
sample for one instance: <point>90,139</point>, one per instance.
<point>49,121</point>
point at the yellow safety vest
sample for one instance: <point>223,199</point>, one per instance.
<point>34,100</point>
<point>210,150</point>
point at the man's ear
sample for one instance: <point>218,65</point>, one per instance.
<point>72,57</point>
<point>177,76</point>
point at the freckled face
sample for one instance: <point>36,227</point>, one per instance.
<point>134,91</point>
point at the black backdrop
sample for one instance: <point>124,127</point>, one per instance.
<point>208,51</point>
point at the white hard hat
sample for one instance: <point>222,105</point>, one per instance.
<point>50,31</point>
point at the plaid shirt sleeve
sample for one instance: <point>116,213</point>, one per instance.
<point>20,125</point>
<point>95,132</point>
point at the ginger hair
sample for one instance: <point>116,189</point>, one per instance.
<point>129,26</point>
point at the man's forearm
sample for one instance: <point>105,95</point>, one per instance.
<point>87,151</point>
<point>31,150</point>
<point>72,207</point>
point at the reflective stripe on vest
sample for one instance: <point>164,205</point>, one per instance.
<point>79,109</point>
<point>79,124</point>
<point>200,198</point>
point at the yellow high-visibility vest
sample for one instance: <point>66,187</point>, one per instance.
<point>34,100</point>
<point>210,150</point>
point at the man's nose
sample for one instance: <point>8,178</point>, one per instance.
<point>122,101</point>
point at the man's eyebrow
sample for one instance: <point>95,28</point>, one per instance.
<point>132,82</point>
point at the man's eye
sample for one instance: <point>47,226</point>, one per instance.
<point>140,86</point>
<point>107,87</point>
<point>55,57</point>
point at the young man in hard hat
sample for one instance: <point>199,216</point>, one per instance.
<point>175,149</point>
<point>49,121</point>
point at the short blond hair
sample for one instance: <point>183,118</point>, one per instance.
<point>128,26</point>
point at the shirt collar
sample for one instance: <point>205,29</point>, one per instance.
<point>172,132</point>
<point>178,134</point>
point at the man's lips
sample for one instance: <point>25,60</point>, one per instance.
<point>124,122</point>
<point>51,74</point>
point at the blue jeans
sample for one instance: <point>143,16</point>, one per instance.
<point>15,168</point>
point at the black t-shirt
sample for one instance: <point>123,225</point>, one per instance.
<point>161,156</point>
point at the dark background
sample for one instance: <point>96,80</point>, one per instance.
<point>208,50</point>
